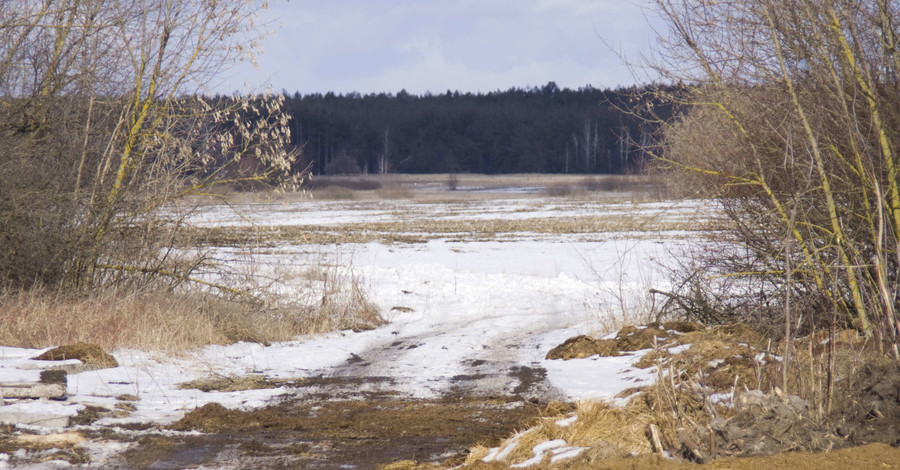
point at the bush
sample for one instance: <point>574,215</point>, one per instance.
<point>792,127</point>
<point>342,164</point>
<point>94,157</point>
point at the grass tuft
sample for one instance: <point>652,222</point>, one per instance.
<point>175,321</point>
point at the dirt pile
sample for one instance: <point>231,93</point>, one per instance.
<point>872,414</point>
<point>759,424</point>
<point>873,456</point>
<point>720,357</point>
<point>628,339</point>
<point>88,353</point>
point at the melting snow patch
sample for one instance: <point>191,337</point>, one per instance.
<point>568,421</point>
<point>597,377</point>
<point>566,453</point>
<point>539,451</point>
<point>557,449</point>
<point>761,357</point>
<point>500,453</point>
<point>679,349</point>
<point>725,399</point>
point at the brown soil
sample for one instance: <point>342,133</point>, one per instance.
<point>330,433</point>
<point>234,384</point>
<point>584,346</point>
<point>873,412</point>
<point>87,353</point>
<point>628,339</point>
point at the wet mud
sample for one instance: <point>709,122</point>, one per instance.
<point>361,433</point>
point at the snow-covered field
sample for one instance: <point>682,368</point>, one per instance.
<point>465,316</point>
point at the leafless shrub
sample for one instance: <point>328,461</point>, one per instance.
<point>561,190</point>
<point>452,181</point>
<point>353,183</point>
<point>342,164</point>
<point>97,136</point>
<point>791,123</point>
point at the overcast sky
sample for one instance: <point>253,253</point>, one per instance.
<point>438,45</point>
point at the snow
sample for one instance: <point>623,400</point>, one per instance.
<point>501,304</point>
<point>500,453</point>
<point>539,451</point>
<point>336,213</point>
<point>596,377</point>
<point>566,422</point>
<point>558,449</point>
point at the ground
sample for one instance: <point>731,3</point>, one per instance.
<point>477,285</point>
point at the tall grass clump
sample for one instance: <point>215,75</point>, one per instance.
<point>150,318</point>
<point>789,119</point>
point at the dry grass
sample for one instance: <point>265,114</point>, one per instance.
<point>649,186</point>
<point>728,358</point>
<point>234,384</point>
<point>174,321</point>
<point>343,193</point>
<point>458,187</point>
<point>334,193</point>
<point>395,192</point>
<point>603,430</point>
<point>424,229</point>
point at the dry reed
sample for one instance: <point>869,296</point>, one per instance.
<point>173,321</point>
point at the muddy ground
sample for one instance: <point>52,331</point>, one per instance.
<point>353,418</point>
<point>316,430</point>
<point>331,434</point>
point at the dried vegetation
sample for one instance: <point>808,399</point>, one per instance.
<point>174,321</point>
<point>719,394</point>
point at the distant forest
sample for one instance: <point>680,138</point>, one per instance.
<point>537,130</point>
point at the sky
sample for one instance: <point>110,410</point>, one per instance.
<point>370,46</point>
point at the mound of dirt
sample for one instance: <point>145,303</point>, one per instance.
<point>709,368</point>
<point>720,357</point>
<point>87,353</point>
<point>628,339</point>
<point>762,424</point>
<point>582,346</point>
<point>873,414</point>
<point>215,418</point>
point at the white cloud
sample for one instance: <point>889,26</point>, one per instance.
<point>433,46</point>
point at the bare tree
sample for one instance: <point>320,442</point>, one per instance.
<point>790,118</point>
<point>384,158</point>
<point>99,135</point>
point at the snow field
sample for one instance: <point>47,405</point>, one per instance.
<point>502,305</point>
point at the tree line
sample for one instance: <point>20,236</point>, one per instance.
<point>538,130</point>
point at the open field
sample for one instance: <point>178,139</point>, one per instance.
<point>476,283</point>
<point>419,208</point>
